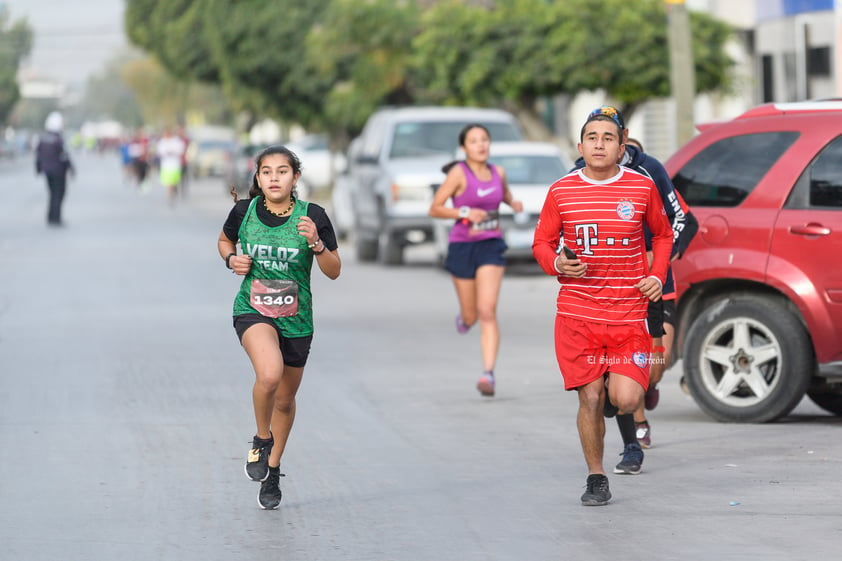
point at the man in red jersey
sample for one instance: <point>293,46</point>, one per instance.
<point>601,341</point>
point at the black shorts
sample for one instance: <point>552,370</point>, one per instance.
<point>295,350</point>
<point>655,319</point>
<point>670,312</point>
<point>464,258</point>
<point>140,169</point>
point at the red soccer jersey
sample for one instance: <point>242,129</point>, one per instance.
<point>602,221</point>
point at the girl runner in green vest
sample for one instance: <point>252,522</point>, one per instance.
<point>279,236</point>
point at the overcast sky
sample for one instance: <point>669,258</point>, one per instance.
<point>73,38</point>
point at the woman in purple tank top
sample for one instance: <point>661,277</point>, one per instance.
<point>475,253</point>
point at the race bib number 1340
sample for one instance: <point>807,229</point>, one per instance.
<point>274,298</point>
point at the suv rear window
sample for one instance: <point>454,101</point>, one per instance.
<point>433,138</point>
<point>538,170</point>
<point>724,173</point>
<point>826,177</point>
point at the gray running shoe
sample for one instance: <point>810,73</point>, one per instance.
<point>597,492</point>
<point>269,496</point>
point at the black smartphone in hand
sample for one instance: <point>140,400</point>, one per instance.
<point>569,253</point>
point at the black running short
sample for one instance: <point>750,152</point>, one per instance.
<point>655,319</point>
<point>670,315</point>
<point>295,350</point>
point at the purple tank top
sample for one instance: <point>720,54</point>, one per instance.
<point>486,195</point>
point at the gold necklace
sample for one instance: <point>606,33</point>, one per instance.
<point>279,214</point>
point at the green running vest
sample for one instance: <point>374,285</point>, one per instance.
<point>278,253</point>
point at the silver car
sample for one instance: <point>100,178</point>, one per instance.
<point>394,166</point>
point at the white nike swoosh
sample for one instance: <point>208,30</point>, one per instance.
<point>484,192</point>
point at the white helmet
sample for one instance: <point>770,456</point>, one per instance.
<point>54,122</point>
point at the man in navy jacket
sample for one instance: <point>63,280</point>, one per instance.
<point>52,160</point>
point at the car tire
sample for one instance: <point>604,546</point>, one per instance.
<point>366,248</point>
<point>829,399</point>
<point>390,249</point>
<point>748,359</point>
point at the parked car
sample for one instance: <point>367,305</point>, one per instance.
<point>397,161</point>
<point>319,164</point>
<point>342,198</point>
<point>531,167</point>
<point>760,287</point>
<point>241,171</point>
<point>210,157</point>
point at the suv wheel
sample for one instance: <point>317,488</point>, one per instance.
<point>747,359</point>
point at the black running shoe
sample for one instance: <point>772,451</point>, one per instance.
<point>597,493</point>
<point>632,460</point>
<point>269,496</point>
<point>257,464</point>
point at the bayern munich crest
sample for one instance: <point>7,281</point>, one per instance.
<point>625,210</point>
<point>639,359</point>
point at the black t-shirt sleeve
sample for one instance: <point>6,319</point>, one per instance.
<point>231,228</point>
<point>317,214</point>
<point>323,225</point>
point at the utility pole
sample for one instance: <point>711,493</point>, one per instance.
<point>682,69</point>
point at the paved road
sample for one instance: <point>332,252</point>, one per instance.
<point>125,415</point>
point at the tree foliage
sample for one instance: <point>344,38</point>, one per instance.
<point>174,32</point>
<point>524,49</point>
<point>329,63</point>
<point>361,51</point>
<point>15,43</point>
<point>164,100</point>
<point>259,49</point>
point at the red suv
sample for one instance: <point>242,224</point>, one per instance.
<point>760,287</point>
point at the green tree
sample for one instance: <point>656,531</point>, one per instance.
<point>165,100</point>
<point>174,30</point>
<point>254,51</point>
<point>525,49</point>
<point>326,64</point>
<point>259,50</point>
<point>361,50</point>
<point>15,43</point>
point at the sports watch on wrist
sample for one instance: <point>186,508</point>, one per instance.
<point>464,211</point>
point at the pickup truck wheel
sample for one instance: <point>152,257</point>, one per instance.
<point>366,248</point>
<point>748,359</point>
<point>390,250</point>
<point>829,399</point>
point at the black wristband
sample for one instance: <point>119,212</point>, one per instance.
<point>228,260</point>
<point>324,247</point>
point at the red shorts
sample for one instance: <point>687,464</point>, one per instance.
<point>586,350</point>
